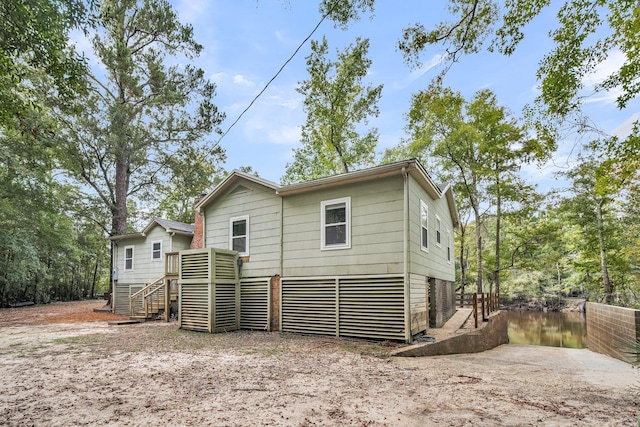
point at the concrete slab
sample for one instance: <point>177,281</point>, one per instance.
<point>124,322</point>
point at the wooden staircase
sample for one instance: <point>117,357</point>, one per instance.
<point>154,300</point>
<point>149,302</point>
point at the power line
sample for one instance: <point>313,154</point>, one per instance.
<point>273,78</point>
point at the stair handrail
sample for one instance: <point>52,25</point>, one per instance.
<point>146,294</point>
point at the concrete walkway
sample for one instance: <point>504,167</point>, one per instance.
<point>459,335</point>
<point>454,326</point>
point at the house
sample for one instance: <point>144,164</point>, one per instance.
<point>139,259</point>
<point>362,254</point>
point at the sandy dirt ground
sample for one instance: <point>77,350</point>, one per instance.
<point>63,365</point>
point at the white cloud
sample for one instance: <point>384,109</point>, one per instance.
<point>285,102</point>
<point>419,72</point>
<point>240,79</point>
<point>625,128</point>
<point>190,11</point>
<point>614,61</point>
<point>218,77</point>
<point>288,135</point>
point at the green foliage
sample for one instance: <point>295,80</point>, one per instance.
<point>141,123</point>
<point>342,12</point>
<point>192,174</point>
<point>46,251</point>
<point>34,37</point>
<point>479,148</point>
<point>335,103</point>
<point>586,34</point>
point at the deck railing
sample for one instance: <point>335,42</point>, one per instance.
<point>171,263</point>
<point>482,304</point>
<point>149,300</point>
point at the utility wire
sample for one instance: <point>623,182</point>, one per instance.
<point>273,78</point>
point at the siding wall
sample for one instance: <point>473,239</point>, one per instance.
<point>376,231</point>
<point>263,207</point>
<point>145,270</point>
<point>434,263</point>
<point>419,303</point>
<point>179,243</point>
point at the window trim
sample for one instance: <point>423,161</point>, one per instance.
<point>424,246</point>
<point>246,235</point>
<point>124,256</point>
<point>438,231</point>
<point>160,251</point>
<point>323,225</point>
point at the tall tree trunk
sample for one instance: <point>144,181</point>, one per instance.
<point>95,278</point>
<point>479,253</point>
<point>496,275</point>
<point>463,266</point>
<point>608,286</point>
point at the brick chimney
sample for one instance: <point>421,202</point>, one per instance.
<point>198,233</point>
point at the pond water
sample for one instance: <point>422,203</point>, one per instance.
<point>567,330</point>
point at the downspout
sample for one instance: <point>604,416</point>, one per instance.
<point>405,253</point>
<point>281,266</point>
<point>114,261</point>
<point>204,227</point>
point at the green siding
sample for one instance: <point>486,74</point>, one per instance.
<point>434,263</point>
<point>419,308</point>
<point>180,242</point>
<point>263,207</point>
<point>145,270</point>
<point>376,231</point>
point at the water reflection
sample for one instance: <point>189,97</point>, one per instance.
<point>567,330</point>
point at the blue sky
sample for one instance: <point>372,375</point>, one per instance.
<point>247,41</point>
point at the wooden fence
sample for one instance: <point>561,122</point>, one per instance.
<point>482,304</point>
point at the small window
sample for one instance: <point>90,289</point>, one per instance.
<point>449,246</point>
<point>239,235</point>
<point>336,223</point>
<point>438,232</point>
<point>128,258</point>
<point>156,250</point>
<point>424,226</point>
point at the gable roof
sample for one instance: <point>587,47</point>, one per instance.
<point>234,177</point>
<point>411,167</point>
<point>168,225</point>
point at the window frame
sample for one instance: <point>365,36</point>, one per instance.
<point>246,235</point>
<point>424,228</point>
<point>124,256</point>
<point>159,251</point>
<point>323,224</point>
<point>438,231</point>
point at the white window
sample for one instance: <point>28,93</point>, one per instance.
<point>438,232</point>
<point>424,226</point>
<point>156,250</point>
<point>128,257</point>
<point>239,234</point>
<point>336,223</point>
<point>449,246</point>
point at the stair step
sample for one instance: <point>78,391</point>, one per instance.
<point>124,322</point>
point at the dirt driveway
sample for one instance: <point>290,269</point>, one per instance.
<point>58,369</point>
